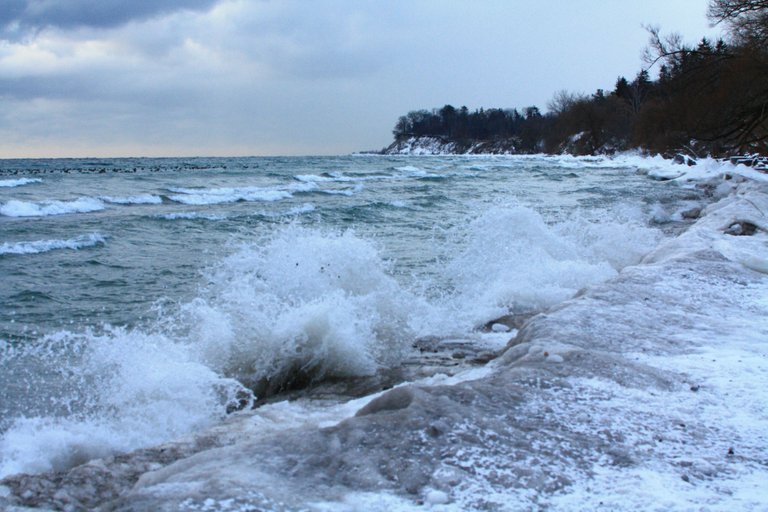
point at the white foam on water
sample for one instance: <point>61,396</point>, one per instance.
<point>338,177</point>
<point>410,171</point>
<point>343,192</point>
<point>123,390</point>
<point>42,246</point>
<point>302,300</point>
<point>292,212</point>
<point>190,216</point>
<point>301,209</point>
<point>314,178</point>
<point>16,208</point>
<point>299,301</point>
<point>513,260</point>
<point>200,197</point>
<point>138,199</point>
<point>19,182</point>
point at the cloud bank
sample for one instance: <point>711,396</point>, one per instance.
<point>20,16</point>
<point>218,77</point>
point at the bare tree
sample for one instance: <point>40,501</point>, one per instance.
<point>746,19</point>
<point>562,101</point>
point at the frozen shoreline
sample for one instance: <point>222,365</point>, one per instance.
<point>646,392</point>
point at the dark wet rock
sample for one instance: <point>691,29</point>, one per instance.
<point>759,163</point>
<point>682,159</point>
<point>512,321</point>
<point>741,228</point>
<point>431,355</point>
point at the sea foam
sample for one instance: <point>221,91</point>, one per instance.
<point>295,305</point>
<point>138,199</point>
<point>19,182</point>
<point>129,389</point>
<point>299,304</point>
<point>210,196</point>
<point>514,261</point>
<point>16,208</point>
<point>41,246</point>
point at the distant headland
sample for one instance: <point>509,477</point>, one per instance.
<point>708,100</point>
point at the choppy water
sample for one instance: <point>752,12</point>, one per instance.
<point>141,298</point>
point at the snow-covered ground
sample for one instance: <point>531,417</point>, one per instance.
<point>647,392</point>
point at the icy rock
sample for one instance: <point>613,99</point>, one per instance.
<point>500,328</point>
<point>692,213</point>
<point>511,321</point>
<point>434,497</point>
<point>398,398</point>
<point>555,358</point>
<point>741,228</point>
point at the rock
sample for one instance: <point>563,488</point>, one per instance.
<point>693,213</point>
<point>741,228</point>
<point>682,159</point>
<point>398,398</point>
<point>510,321</point>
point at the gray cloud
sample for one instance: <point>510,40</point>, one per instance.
<point>308,77</point>
<point>18,17</point>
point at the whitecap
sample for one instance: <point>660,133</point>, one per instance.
<point>513,260</point>
<point>130,389</point>
<point>302,302</point>
<point>138,199</point>
<point>190,216</point>
<point>41,246</point>
<point>19,182</point>
<point>336,177</point>
<point>16,208</point>
<point>199,197</point>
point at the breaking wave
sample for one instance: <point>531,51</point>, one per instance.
<point>288,308</point>
<point>209,196</point>
<point>16,208</point>
<point>41,246</point>
<point>18,182</point>
<point>513,260</point>
<point>299,305</point>
<point>139,199</point>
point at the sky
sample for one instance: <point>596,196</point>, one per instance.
<point>103,78</point>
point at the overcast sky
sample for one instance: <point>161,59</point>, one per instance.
<point>261,77</point>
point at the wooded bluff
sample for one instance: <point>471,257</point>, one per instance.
<point>708,99</point>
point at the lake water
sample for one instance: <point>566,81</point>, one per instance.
<point>141,299</point>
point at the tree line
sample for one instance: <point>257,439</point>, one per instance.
<point>708,99</point>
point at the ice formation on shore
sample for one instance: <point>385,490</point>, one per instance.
<point>645,392</point>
